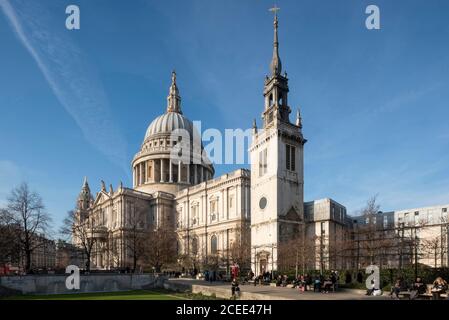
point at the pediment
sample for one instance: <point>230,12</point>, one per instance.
<point>101,197</point>
<point>292,215</point>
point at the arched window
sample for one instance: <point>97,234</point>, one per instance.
<point>270,100</point>
<point>280,100</point>
<point>194,246</point>
<point>213,244</point>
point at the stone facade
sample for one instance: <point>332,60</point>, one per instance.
<point>413,235</point>
<point>257,209</point>
<point>328,226</point>
<point>213,216</point>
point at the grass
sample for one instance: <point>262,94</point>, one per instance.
<point>124,295</point>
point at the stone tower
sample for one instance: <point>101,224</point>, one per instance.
<point>84,200</point>
<point>277,176</point>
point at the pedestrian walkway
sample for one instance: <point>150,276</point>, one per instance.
<point>264,292</point>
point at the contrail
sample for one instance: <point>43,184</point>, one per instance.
<point>71,79</point>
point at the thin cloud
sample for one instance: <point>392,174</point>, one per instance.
<point>69,76</point>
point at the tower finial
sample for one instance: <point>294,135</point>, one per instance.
<point>254,126</point>
<point>173,77</point>
<point>276,65</point>
<point>173,99</point>
<point>298,119</point>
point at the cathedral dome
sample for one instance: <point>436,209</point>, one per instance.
<point>156,167</point>
<point>167,123</point>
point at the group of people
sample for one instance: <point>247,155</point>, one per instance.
<point>211,275</point>
<point>304,282</point>
<point>439,286</point>
<point>263,278</point>
<point>327,283</point>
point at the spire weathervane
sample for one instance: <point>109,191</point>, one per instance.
<point>173,77</point>
<point>275,66</point>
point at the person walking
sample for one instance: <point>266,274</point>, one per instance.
<point>235,290</point>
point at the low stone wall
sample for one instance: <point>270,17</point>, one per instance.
<point>55,284</point>
<point>219,292</point>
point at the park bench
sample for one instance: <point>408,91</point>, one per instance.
<point>427,296</point>
<point>404,294</point>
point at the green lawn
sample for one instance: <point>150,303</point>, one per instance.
<point>126,295</point>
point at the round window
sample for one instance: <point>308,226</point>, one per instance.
<point>262,203</point>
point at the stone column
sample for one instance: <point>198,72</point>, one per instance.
<point>134,176</point>
<point>237,207</point>
<point>147,174</point>
<point>140,174</point>
<point>153,171</point>
<point>188,173</point>
<point>201,173</point>
<point>170,171</point>
<point>162,170</point>
<point>223,204</point>
<point>195,175</point>
<point>179,171</point>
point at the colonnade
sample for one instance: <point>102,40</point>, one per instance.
<point>166,170</point>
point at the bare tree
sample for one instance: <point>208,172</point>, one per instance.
<point>82,233</point>
<point>240,249</point>
<point>370,245</point>
<point>26,211</point>
<point>433,247</point>
<point>161,248</point>
<point>297,253</point>
<point>136,239</point>
<point>9,245</point>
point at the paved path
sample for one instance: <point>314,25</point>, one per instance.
<point>281,292</point>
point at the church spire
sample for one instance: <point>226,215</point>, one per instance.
<point>276,86</point>
<point>276,65</point>
<point>85,196</point>
<point>173,98</point>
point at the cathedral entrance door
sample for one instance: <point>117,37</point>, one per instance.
<point>263,265</point>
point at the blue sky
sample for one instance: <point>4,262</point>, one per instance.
<point>374,103</point>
